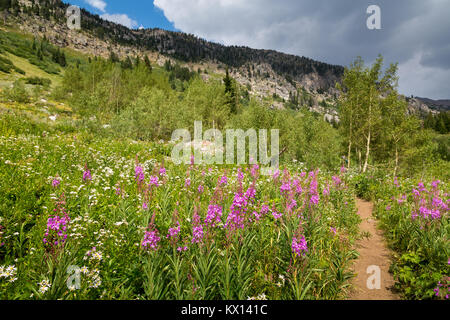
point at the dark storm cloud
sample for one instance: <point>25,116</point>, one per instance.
<point>414,33</point>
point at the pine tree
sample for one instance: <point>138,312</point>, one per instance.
<point>230,91</point>
<point>147,63</point>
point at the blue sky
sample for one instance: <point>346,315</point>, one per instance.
<point>139,12</point>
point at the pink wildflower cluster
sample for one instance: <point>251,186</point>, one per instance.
<point>87,175</point>
<point>337,181</point>
<point>223,180</point>
<point>154,181</point>
<point>428,204</point>
<point>55,183</point>
<point>151,239</point>
<point>313,192</point>
<point>174,231</point>
<point>443,289</point>
<point>236,218</point>
<point>197,229</point>
<point>139,175</point>
<point>213,216</point>
<point>56,232</point>
<point>299,246</point>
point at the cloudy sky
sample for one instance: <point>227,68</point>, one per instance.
<point>414,33</point>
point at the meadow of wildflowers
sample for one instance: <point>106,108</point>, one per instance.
<point>131,225</point>
<point>86,217</point>
<point>414,216</point>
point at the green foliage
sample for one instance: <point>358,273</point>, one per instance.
<point>420,240</point>
<point>39,53</point>
<point>17,93</point>
<point>38,81</point>
<point>254,262</point>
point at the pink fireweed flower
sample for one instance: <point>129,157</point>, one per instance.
<point>388,208</point>
<point>292,204</point>
<point>240,175</point>
<point>162,171</point>
<point>256,215</point>
<point>154,181</point>
<point>197,229</point>
<point>314,200</point>
<point>265,209</point>
<point>285,188</point>
<point>87,175</point>
<point>197,234</point>
<point>337,181</point>
<point>173,232</point>
<point>333,230</point>
<point>181,249</point>
<point>235,219</point>
<point>55,183</point>
<point>313,187</point>
<point>250,193</point>
<point>187,183</point>
<point>402,199</point>
<point>56,233</point>
<point>277,215</point>
<point>326,191</point>
<point>435,184</point>
<point>139,174</point>
<point>276,175</point>
<point>254,171</point>
<point>424,212</point>
<point>299,246</point>
<point>200,189</point>
<point>421,187</point>
<point>343,169</point>
<point>144,206</point>
<point>435,214</point>
<point>223,180</point>
<point>151,240</point>
<point>396,182</point>
<point>213,216</point>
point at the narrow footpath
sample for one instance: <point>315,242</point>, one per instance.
<point>373,254</point>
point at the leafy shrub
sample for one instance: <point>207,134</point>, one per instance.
<point>17,93</point>
<point>38,81</point>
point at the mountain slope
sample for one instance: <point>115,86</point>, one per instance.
<point>265,73</point>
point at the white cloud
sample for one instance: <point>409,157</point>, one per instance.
<point>329,31</point>
<point>98,4</point>
<point>120,18</point>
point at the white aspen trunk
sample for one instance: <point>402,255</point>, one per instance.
<point>360,160</point>
<point>349,146</point>
<point>396,160</point>
<point>366,161</point>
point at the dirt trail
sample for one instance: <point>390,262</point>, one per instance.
<point>373,252</point>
